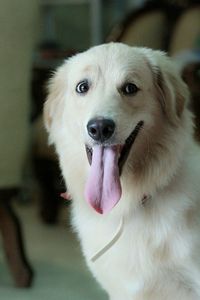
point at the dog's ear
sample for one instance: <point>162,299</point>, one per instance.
<point>171,91</point>
<point>56,88</point>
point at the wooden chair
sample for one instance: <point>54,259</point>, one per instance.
<point>186,32</point>
<point>149,26</point>
<point>18,35</point>
<point>12,238</point>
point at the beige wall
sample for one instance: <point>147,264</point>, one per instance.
<point>18,31</point>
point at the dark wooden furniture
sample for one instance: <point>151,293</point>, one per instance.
<point>13,241</point>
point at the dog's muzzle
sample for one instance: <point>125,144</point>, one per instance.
<point>103,187</point>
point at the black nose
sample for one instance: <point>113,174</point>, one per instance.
<point>100,129</point>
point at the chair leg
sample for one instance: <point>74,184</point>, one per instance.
<point>48,176</point>
<point>13,242</point>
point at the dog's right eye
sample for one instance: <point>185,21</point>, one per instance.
<point>82,87</point>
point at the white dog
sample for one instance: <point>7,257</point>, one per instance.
<point>119,120</point>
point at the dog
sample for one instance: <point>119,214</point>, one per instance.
<point>119,119</point>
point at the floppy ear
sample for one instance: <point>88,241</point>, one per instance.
<point>171,91</point>
<point>56,92</point>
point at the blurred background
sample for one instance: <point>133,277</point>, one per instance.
<point>40,257</point>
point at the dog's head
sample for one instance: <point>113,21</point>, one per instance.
<point>122,105</point>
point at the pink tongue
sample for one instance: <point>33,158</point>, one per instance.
<point>103,188</point>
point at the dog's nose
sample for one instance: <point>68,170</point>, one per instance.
<point>100,129</point>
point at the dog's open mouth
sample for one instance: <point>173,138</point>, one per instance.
<point>103,187</point>
<point>123,150</point>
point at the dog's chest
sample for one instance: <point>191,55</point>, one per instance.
<point>126,261</point>
<point>141,257</point>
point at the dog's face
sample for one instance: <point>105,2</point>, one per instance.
<point>116,103</point>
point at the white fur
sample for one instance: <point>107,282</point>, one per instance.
<point>157,255</point>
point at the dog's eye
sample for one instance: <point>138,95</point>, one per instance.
<point>82,87</point>
<point>129,89</point>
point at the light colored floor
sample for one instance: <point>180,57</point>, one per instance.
<point>60,271</point>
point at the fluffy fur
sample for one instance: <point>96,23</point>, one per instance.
<point>157,256</point>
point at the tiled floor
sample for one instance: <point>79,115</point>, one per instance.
<point>60,272</point>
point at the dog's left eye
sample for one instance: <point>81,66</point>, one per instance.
<point>129,89</point>
<point>82,87</point>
